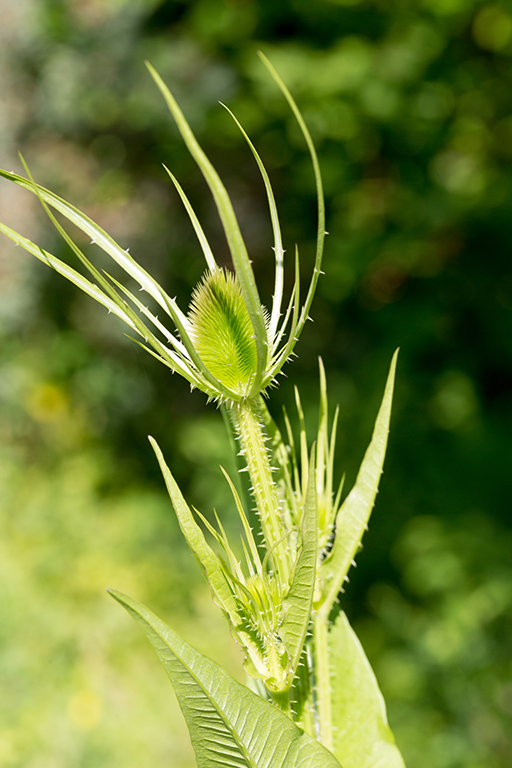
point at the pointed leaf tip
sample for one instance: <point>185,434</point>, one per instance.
<point>362,737</point>
<point>352,519</point>
<point>228,723</point>
<point>199,547</point>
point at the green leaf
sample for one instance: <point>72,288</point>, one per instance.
<point>298,602</point>
<point>217,575</point>
<point>204,380</point>
<point>71,274</point>
<point>113,302</point>
<point>101,238</point>
<point>361,734</point>
<point>203,553</point>
<point>229,724</point>
<point>352,519</point>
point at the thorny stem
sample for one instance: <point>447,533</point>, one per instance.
<point>282,701</point>
<point>303,703</point>
<point>248,425</point>
<point>322,679</point>
<point>246,417</point>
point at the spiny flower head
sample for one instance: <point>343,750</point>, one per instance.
<point>222,333</point>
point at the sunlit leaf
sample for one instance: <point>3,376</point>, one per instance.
<point>298,602</point>
<point>229,724</point>
<point>361,734</point>
<point>352,519</point>
<point>194,536</point>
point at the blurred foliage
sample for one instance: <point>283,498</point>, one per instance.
<point>441,642</point>
<point>410,105</point>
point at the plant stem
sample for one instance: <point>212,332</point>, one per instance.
<point>322,678</point>
<point>249,426</point>
<point>303,694</point>
<point>282,701</point>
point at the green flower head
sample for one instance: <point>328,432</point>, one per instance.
<point>222,332</point>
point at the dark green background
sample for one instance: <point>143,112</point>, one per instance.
<point>410,107</point>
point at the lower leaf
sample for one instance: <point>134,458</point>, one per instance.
<point>229,724</point>
<point>361,734</point>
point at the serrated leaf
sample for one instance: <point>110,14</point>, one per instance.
<point>229,725</point>
<point>299,600</point>
<point>352,519</point>
<point>361,734</point>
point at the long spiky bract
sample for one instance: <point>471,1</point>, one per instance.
<point>278,243</point>
<point>279,357</point>
<point>203,242</point>
<point>245,523</point>
<point>159,349</point>
<point>184,358</point>
<point>317,271</point>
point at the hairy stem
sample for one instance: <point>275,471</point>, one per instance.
<point>249,427</point>
<point>303,693</point>
<point>282,701</point>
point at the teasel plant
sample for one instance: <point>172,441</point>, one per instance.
<point>311,699</point>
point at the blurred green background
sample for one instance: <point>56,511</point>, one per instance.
<point>410,106</point>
